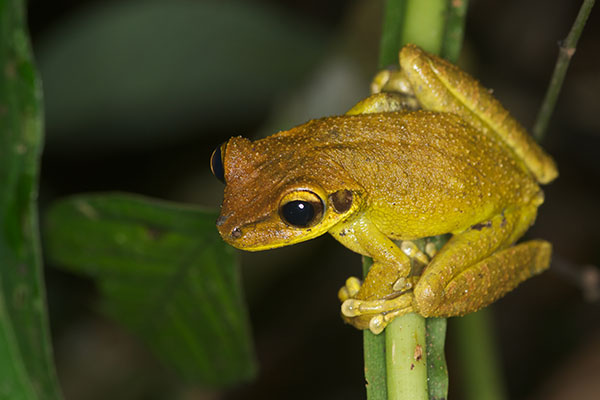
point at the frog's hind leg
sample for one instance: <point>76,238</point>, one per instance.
<point>486,281</point>
<point>477,266</point>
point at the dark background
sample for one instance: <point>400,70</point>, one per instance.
<point>139,93</point>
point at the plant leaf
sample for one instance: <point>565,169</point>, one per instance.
<point>26,365</point>
<point>164,273</point>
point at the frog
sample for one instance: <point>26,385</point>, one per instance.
<point>430,152</point>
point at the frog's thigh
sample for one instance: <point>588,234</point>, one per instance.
<point>481,284</point>
<point>465,250</point>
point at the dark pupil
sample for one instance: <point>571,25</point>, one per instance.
<point>216,165</point>
<point>298,212</point>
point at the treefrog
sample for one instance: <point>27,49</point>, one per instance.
<point>431,152</point>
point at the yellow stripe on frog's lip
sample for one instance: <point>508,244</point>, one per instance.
<point>262,247</point>
<point>309,233</point>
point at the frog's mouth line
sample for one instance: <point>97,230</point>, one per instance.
<point>243,239</point>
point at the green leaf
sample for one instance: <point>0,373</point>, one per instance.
<point>475,344</point>
<point>164,273</point>
<point>26,366</point>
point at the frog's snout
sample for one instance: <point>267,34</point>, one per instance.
<point>228,233</point>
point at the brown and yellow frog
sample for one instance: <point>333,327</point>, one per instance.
<point>431,153</point>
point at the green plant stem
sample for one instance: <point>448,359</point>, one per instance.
<point>566,50</point>
<point>425,24</point>
<point>437,370</point>
<point>455,29</point>
<point>433,25</point>
<point>406,360</point>
<point>476,345</point>
<point>391,32</point>
<point>374,353</point>
<point>422,22</point>
<point>375,368</point>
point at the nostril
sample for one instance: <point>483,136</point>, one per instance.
<point>221,220</point>
<point>236,233</point>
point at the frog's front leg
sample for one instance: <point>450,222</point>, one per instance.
<point>388,277</point>
<point>403,283</point>
<point>390,263</point>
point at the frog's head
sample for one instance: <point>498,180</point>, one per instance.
<point>275,196</point>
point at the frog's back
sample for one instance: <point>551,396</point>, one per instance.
<point>424,173</point>
<point>441,86</point>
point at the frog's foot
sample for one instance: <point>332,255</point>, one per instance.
<point>402,285</point>
<point>376,314</point>
<point>409,248</point>
<point>353,284</point>
<point>350,289</point>
<point>391,80</point>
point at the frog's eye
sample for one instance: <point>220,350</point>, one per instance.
<point>301,209</point>
<point>216,163</point>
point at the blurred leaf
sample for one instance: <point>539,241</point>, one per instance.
<point>143,69</point>
<point>26,366</point>
<point>164,273</point>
